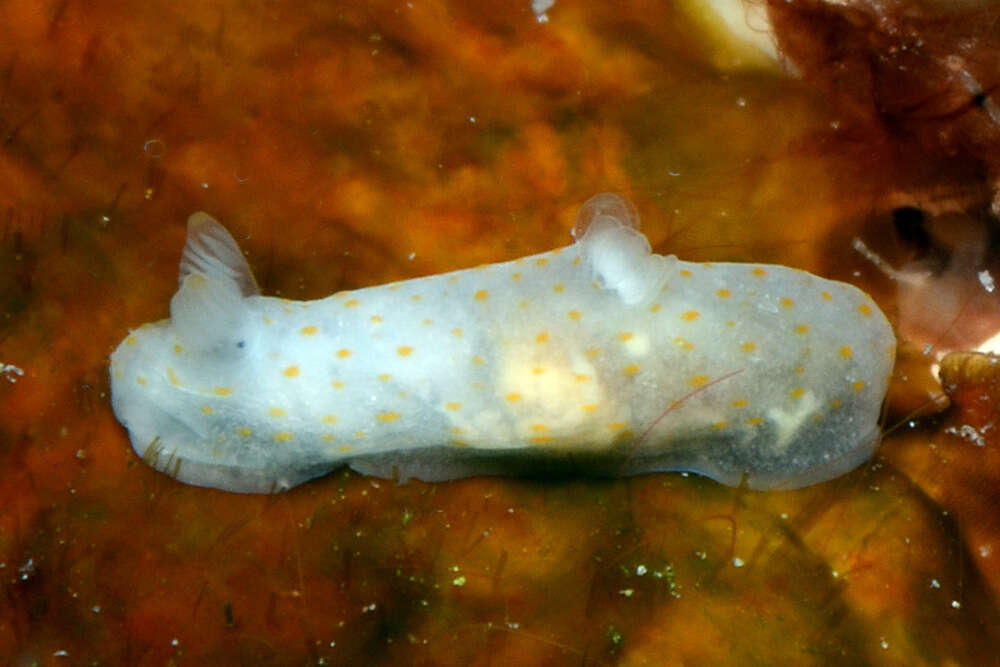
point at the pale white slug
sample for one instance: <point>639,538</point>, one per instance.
<point>600,357</point>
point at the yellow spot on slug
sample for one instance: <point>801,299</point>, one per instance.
<point>589,407</point>
<point>222,391</point>
<point>131,340</point>
<point>690,316</point>
<point>575,315</point>
<point>625,336</point>
<point>427,322</point>
<point>283,436</point>
<point>404,350</point>
<point>539,427</point>
<point>537,370</point>
<point>457,332</point>
<point>655,308</point>
<point>337,384</point>
<point>376,319</point>
<point>351,303</point>
<point>328,436</point>
<point>515,276</point>
<point>720,425</point>
<point>277,412</point>
<point>786,302</point>
<point>755,421</point>
<point>178,349</point>
<point>698,380</point>
<point>207,409</point>
<point>802,328</point>
<point>343,353</point>
<point>359,434</point>
<point>385,377</point>
<point>759,272</point>
<point>835,403</point>
<point>291,372</point>
<point>631,369</point>
<point>864,309</point>
<point>481,295</point>
<point>329,419</point>
<point>798,392</point>
<point>740,403</point>
<point>684,344</point>
<point>415,297</point>
<point>581,377</point>
<point>513,398</point>
<point>344,448</point>
<point>244,431</point>
<point>388,416</point>
<point>452,406</point>
<point>800,370</point>
<point>845,351</point>
<point>617,426</point>
<point>858,386</point>
<point>309,330</point>
<point>748,347</point>
<point>542,337</point>
<point>541,261</point>
<point>724,293</point>
<point>592,352</point>
<point>685,273</point>
<point>267,320</point>
<point>826,296</point>
<point>478,360</point>
<point>172,377</point>
<point>558,287</point>
<point>576,260</point>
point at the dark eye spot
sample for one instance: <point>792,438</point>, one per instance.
<point>242,344</point>
<point>909,222</point>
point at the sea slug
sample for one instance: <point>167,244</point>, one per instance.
<point>597,358</point>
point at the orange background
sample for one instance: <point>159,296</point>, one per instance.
<point>350,144</point>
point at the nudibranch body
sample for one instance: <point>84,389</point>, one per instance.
<point>600,357</point>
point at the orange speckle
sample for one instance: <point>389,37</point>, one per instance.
<point>343,353</point>
<point>459,443</point>
<point>858,386</point>
<point>267,320</point>
<point>724,293</point>
<point>690,316</point>
<point>684,344</point>
<point>698,380</point>
<point>755,421</point>
<point>800,370</point>
<point>388,416</point>
<point>631,369</point>
<point>541,439</point>
<point>427,322</point>
<point>291,372</point>
<point>283,436</point>
<point>581,377</point>
<point>244,431</point>
<point>826,296</point>
<point>625,336</point>
<point>515,276</point>
<point>759,272</point>
<point>541,261</point>
<point>617,426</point>
<point>786,302</point>
<point>178,349</point>
<point>329,419</point>
<point>345,448</point>
<point>542,337</point>
<point>740,403</point>
<point>748,347</point>
<point>385,377</point>
<point>558,287</point>
<point>537,370</point>
<point>798,392</point>
<point>309,330</point>
<point>404,350</point>
<point>575,315</point>
<point>337,384</point>
<point>477,359</point>
<point>207,409</point>
<point>845,351</point>
<point>685,273</point>
<point>513,398</point>
<point>592,352</point>
<point>172,377</point>
<point>802,328</point>
<point>222,391</point>
<point>589,407</point>
<point>835,403</point>
<point>376,319</point>
<point>655,308</point>
<point>415,297</point>
<point>539,427</point>
<point>276,412</point>
<point>351,303</point>
<point>454,405</point>
<point>720,425</point>
<point>864,309</point>
<point>457,332</point>
<point>576,260</point>
<point>131,340</point>
<point>328,436</point>
<point>481,295</point>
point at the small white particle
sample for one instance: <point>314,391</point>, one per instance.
<point>884,644</point>
<point>472,119</point>
<point>96,609</point>
<point>741,102</point>
<point>175,642</point>
<point>10,372</point>
<point>458,581</point>
<point>411,256</point>
<point>835,574</point>
<point>955,604</point>
<point>985,550</point>
<point>640,570</point>
<point>627,592</point>
<point>738,562</point>
<point>61,653</point>
<point>935,583</point>
<point>986,280</point>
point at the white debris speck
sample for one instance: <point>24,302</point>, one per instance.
<point>955,604</point>
<point>458,581</point>
<point>540,7</point>
<point>640,570</point>
<point>61,653</point>
<point>10,372</point>
<point>627,592</point>
<point>985,550</point>
<point>935,583</point>
<point>738,562</point>
<point>968,433</point>
<point>175,642</point>
<point>986,280</point>
<point>884,644</point>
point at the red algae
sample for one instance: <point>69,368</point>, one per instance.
<point>351,145</point>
